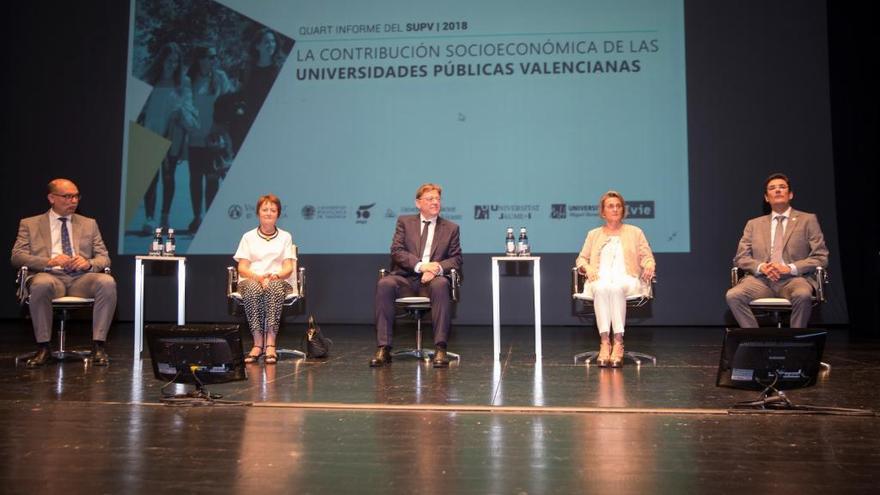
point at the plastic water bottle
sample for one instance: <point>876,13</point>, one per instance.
<point>522,248</point>
<point>510,243</point>
<point>156,246</point>
<point>170,243</point>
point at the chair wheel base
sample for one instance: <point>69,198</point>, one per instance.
<point>292,353</point>
<point>588,357</point>
<point>422,354</point>
<point>62,356</point>
<point>57,356</point>
<point>636,357</point>
<point>24,357</point>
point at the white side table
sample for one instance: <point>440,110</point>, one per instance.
<point>496,302</point>
<point>139,295</point>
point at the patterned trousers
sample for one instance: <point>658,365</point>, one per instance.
<point>263,305</point>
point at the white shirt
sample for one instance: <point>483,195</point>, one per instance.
<point>426,253</point>
<point>612,271</point>
<point>267,256</point>
<point>611,264</point>
<point>55,230</point>
<point>775,223</point>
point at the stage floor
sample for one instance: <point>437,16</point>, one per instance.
<point>512,426</point>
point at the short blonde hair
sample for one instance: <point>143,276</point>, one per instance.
<point>611,194</point>
<point>428,186</point>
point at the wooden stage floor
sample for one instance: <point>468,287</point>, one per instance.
<point>338,426</point>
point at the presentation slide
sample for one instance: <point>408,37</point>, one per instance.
<point>524,112</point>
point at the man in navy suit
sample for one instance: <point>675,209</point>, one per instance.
<point>425,247</point>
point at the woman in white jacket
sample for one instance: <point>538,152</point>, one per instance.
<point>617,261</point>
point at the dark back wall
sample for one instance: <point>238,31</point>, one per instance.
<point>759,100</point>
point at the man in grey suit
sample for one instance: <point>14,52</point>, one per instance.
<point>423,249</point>
<point>777,251</point>
<point>66,253</point>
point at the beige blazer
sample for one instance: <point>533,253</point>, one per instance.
<point>637,253</point>
<point>802,245</point>
<point>33,245</point>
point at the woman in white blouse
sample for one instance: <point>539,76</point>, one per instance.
<point>617,261</point>
<point>266,267</point>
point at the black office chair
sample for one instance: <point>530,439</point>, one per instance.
<point>578,280</point>
<point>235,303</point>
<point>778,307</point>
<point>62,307</point>
<point>416,307</point>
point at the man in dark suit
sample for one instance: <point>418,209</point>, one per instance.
<point>67,256</point>
<point>425,247</point>
<point>777,251</point>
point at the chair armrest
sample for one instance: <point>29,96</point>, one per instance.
<point>22,290</point>
<point>821,280</point>
<point>231,280</point>
<point>821,275</point>
<point>734,276</point>
<point>301,281</point>
<point>454,277</point>
<point>454,284</point>
<point>578,280</point>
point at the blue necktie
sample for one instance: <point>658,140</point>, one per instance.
<point>65,238</point>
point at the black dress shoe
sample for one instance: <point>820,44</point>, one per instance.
<point>383,357</point>
<point>440,358</point>
<point>43,356</point>
<point>100,357</point>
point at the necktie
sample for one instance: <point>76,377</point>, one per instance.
<point>776,250</point>
<point>65,238</point>
<point>424,238</point>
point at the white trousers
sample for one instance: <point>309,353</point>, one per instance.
<point>609,301</point>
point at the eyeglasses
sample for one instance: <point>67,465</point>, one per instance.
<point>430,199</point>
<point>68,197</point>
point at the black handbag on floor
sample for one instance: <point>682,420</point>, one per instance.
<point>316,344</point>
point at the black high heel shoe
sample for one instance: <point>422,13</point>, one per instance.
<point>253,358</point>
<point>271,358</point>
